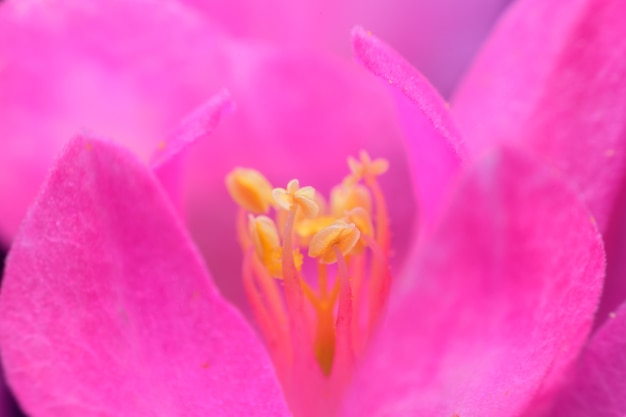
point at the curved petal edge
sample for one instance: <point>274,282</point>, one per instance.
<point>432,140</point>
<point>106,308</point>
<point>498,304</point>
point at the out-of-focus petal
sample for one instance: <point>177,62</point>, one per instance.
<point>434,146</point>
<point>599,384</point>
<point>438,37</point>
<point>106,308</point>
<point>128,70</point>
<point>169,159</point>
<point>299,115</point>
<point>552,76</point>
<point>498,304</point>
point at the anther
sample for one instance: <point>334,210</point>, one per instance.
<point>366,169</point>
<point>340,234</point>
<point>362,220</point>
<point>266,243</point>
<point>346,196</point>
<point>293,196</point>
<point>250,189</point>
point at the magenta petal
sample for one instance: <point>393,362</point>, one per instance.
<point>598,387</point>
<point>498,304</point>
<point>106,309</point>
<point>433,142</point>
<point>440,37</point>
<point>552,76</point>
<point>168,160</point>
<point>127,70</point>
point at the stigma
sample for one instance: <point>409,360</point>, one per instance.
<point>315,271</point>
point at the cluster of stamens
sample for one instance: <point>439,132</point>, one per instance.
<point>290,236</point>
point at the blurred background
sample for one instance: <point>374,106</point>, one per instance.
<point>439,37</point>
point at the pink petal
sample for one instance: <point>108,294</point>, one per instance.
<point>599,384</point>
<point>168,160</point>
<point>106,309</point>
<point>439,37</point>
<point>552,77</point>
<point>433,143</point>
<point>497,304</point>
<point>125,69</point>
<point>299,115</point>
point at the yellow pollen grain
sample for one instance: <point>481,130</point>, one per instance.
<point>293,195</point>
<point>307,228</point>
<point>342,234</point>
<point>266,242</point>
<point>345,197</point>
<point>362,220</point>
<point>250,189</point>
<point>365,168</point>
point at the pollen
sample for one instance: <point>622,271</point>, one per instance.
<point>366,169</point>
<point>323,306</point>
<point>347,196</point>
<point>341,234</point>
<point>363,222</point>
<point>294,196</point>
<point>250,189</point>
<point>264,236</point>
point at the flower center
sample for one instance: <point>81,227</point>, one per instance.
<point>327,306</point>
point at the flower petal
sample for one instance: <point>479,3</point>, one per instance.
<point>129,70</point>
<point>106,309</point>
<point>439,37</point>
<point>433,143</point>
<point>168,160</point>
<point>497,305</point>
<point>598,387</point>
<point>552,77</point>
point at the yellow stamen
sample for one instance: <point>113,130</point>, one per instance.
<point>304,198</point>
<point>347,196</point>
<point>250,189</point>
<point>264,235</point>
<point>365,169</point>
<point>341,234</point>
<point>361,219</point>
<point>307,228</point>
<point>328,320</point>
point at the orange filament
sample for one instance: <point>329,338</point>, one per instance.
<point>328,320</point>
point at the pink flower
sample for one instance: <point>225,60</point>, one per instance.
<point>489,311</point>
<point>103,286</point>
<point>420,30</point>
